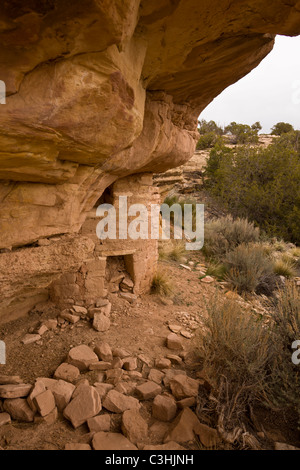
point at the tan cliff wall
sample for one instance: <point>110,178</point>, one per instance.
<point>98,90</point>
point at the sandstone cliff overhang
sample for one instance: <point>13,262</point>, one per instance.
<point>100,89</point>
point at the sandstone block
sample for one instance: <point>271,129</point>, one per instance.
<point>67,372</point>
<point>80,310</point>
<point>102,365</point>
<point>184,387</point>
<point>106,309</point>
<point>49,419</point>
<point>126,388</point>
<point>175,328</point>
<point>113,376</point>
<point>118,403</point>
<point>117,363</point>
<point>85,405</point>
<point>101,303</point>
<point>103,351</point>
<point>101,322</point>
<point>186,403</point>
<point>99,423</point>
<point>131,298</point>
<point>120,352</point>
<point>164,408</point>
<point>130,363</point>
<point>44,402</point>
<point>82,356</point>
<point>170,374</point>
<point>183,427</point>
<point>102,389</point>
<point>168,446</point>
<point>66,315</point>
<point>77,446</point>
<point>148,390</point>
<point>163,363</point>
<point>174,342</point>
<point>42,330</point>
<point>208,436</point>
<point>62,393</point>
<point>30,338</point>
<point>156,376</point>
<point>111,441</point>
<point>134,427</point>
<point>10,380</point>
<point>38,388</point>
<point>19,409</point>
<point>4,419</point>
<point>15,391</point>
<point>50,324</point>
<point>175,359</point>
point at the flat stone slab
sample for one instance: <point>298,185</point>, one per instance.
<point>134,427</point>
<point>77,446</point>
<point>10,380</point>
<point>101,322</point>
<point>174,342</point>
<point>148,390</point>
<point>164,408</point>
<point>45,402</point>
<point>208,280</point>
<point>168,446</point>
<point>85,405</point>
<point>31,338</point>
<point>101,365</point>
<point>82,357</point>
<point>99,423</point>
<point>183,386</point>
<point>19,409</point>
<point>112,441</point>
<point>103,351</point>
<point>62,393</point>
<point>175,328</point>
<point>67,372</point>
<point>116,402</point>
<point>66,315</point>
<point>15,391</point>
<point>4,419</point>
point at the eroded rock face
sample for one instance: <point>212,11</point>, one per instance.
<point>99,90</point>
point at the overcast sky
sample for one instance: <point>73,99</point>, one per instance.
<point>269,94</point>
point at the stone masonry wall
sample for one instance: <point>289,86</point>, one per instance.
<point>137,257</point>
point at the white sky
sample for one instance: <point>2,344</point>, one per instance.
<point>269,94</point>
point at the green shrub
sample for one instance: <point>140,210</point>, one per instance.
<point>217,159</point>
<point>282,128</point>
<point>205,127</point>
<point>171,200</point>
<point>290,139</point>
<point>259,184</point>
<point>243,134</point>
<point>207,141</point>
<point>248,269</point>
<point>226,233</point>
